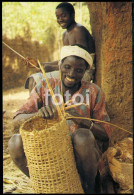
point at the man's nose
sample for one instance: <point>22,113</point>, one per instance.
<point>72,73</point>
<point>59,19</point>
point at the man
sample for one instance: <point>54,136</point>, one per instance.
<point>74,34</point>
<point>88,138</point>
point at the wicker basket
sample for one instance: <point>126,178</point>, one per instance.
<point>49,152</point>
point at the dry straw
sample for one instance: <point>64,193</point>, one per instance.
<point>49,152</point>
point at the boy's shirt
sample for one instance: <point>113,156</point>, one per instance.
<point>89,93</point>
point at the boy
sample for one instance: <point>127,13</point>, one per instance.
<point>74,34</point>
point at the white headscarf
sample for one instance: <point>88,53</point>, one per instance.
<point>77,51</point>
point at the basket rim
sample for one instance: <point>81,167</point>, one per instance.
<point>21,129</point>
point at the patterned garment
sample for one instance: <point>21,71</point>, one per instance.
<point>89,93</point>
<point>39,76</point>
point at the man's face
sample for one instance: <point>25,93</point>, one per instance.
<point>64,18</point>
<point>72,71</point>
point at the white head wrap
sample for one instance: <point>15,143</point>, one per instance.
<point>77,51</point>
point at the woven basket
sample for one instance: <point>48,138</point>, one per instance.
<point>50,158</point>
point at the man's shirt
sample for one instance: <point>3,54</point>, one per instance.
<point>90,95</point>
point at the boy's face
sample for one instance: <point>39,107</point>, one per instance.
<point>72,71</point>
<point>64,18</point>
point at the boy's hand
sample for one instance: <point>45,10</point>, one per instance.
<point>48,112</point>
<point>32,61</point>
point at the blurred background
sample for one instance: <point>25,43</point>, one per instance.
<point>31,29</point>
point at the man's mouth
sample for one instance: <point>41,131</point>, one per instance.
<point>62,24</point>
<point>70,79</point>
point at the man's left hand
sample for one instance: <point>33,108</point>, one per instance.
<point>81,122</point>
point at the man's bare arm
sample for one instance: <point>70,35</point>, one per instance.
<point>98,130</point>
<point>48,66</point>
<point>19,119</point>
<point>47,112</point>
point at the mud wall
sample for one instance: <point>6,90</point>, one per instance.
<point>14,70</point>
<point>111,24</point>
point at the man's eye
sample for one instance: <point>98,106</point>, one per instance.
<point>63,15</point>
<point>67,67</point>
<point>80,70</point>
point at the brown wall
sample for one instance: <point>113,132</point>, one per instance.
<point>111,24</point>
<point>14,70</point>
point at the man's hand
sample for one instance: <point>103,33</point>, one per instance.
<point>29,61</point>
<point>50,68</point>
<point>48,112</point>
<point>81,122</point>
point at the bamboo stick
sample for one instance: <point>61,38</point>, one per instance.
<point>18,54</point>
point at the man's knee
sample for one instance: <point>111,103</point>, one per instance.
<point>83,137</point>
<point>15,141</point>
<point>15,146</point>
<point>17,154</point>
<point>85,145</point>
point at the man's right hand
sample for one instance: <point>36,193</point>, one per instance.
<point>48,112</point>
<point>29,61</point>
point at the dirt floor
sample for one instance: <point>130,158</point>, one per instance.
<point>14,181</point>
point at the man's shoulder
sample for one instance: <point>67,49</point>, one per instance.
<point>91,86</point>
<point>64,33</point>
<point>52,81</point>
<point>80,28</point>
<point>82,31</point>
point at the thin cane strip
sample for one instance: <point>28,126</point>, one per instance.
<point>70,117</point>
<point>46,124</point>
<point>18,54</point>
<point>51,91</point>
<point>71,106</point>
<point>67,103</point>
<point>67,117</point>
<point>63,106</point>
<point>68,107</point>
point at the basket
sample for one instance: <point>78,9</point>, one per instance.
<point>50,158</point>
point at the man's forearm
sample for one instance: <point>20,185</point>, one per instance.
<point>50,63</point>
<point>99,132</point>
<point>19,119</point>
<point>50,66</point>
